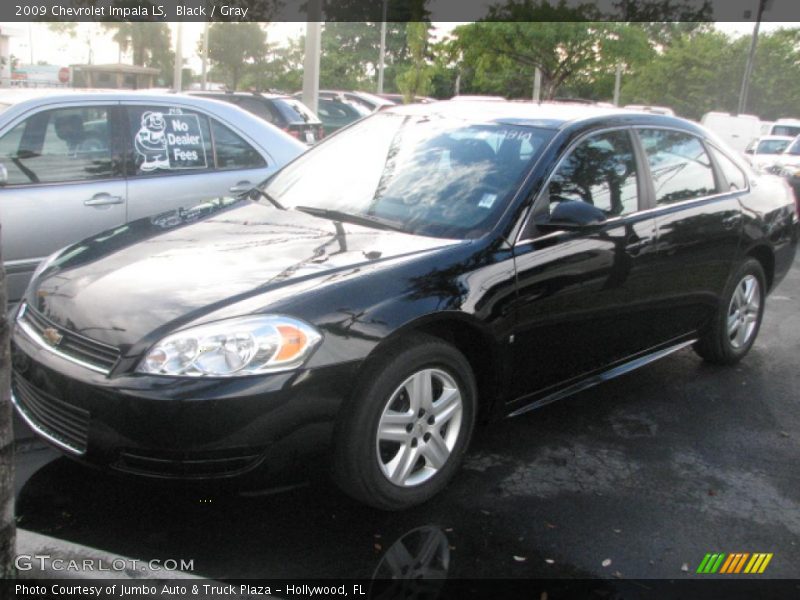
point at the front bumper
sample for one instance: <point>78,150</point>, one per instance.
<point>177,427</point>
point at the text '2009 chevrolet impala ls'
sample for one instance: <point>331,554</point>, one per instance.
<point>424,267</point>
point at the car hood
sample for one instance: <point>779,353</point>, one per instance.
<point>173,268</point>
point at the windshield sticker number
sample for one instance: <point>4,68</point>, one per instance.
<point>172,141</point>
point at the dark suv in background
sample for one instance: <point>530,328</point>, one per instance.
<point>285,112</point>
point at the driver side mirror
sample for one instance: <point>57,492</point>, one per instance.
<point>749,150</point>
<point>572,215</point>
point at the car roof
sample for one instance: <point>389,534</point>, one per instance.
<point>548,115</point>
<point>210,93</point>
<point>17,96</point>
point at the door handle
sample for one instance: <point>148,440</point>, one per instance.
<point>103,199</point>
<point>241,187</point>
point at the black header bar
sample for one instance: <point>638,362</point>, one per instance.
<point>398,10</point>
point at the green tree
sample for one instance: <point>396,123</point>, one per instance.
<point>501,57</point>
<point>349,56</point>
<point>235,48</point>
<point>665,20</point>
<point>696,74</point>
<point>149,42</point>
<point>704,86</point>
<point>775,83</point>
<point>281,69</point>
<point>415,79</point>
<point>69,28</point>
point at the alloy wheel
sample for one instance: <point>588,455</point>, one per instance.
<point>419,427</point>
<point>744,311</point>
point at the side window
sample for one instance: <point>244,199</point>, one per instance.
<point>600,171</point>
<point>232,151</point>
<point>679,164</point>
<point>169,140</point>
<point>733,174</point>
<point>61,145</point>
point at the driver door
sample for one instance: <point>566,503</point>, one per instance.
<point>584,295</point>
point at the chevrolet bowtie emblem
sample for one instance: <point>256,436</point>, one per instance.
<point>52,336</point>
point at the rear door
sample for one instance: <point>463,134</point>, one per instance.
<point>65,183</point>
<point>178,157</point>
<point>696,191</point>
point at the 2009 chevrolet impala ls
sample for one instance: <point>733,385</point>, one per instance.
<point>428,266</point>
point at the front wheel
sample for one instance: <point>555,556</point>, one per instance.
<point>403,434</point>
<point>735,326</point>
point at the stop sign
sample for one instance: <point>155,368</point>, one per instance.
<point>63,75</point>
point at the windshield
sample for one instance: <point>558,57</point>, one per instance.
<point>794,149</point>
<point>790,130</point>
<point>427,175</point>
<point>772,146</point>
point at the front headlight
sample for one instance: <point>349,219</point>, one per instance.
<point>233,347</point>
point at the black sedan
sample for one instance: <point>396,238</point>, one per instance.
<point>429,267</point>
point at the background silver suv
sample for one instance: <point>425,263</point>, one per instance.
<point>73,164</point>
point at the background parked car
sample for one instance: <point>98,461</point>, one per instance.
<point>371,102</point>
<point>789,127</point>
<point>285,112</point>
<point>736,130</point>
<point>77,163</point>
<point>400,99</point>
<point>336,113</point>
<point>787,165</point>
<point>761,152</point>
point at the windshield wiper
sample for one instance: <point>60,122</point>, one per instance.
<point>337,215</point>
<point>259,192</point>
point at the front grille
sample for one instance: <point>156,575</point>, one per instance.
<point>64,423</point>
<point>91,353</point>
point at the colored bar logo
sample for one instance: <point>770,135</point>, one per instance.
<point>738,562</point>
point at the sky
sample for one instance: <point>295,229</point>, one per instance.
<point>63,51</point>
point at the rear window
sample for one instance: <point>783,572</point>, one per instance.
<point>790,130</point>
<point>294,111</point>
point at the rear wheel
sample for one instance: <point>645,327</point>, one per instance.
<point>735,326</point>
<point>403,434</point>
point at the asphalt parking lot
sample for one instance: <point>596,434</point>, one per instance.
<point>637,478</point>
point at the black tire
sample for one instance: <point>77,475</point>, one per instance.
<point>715,345</point>
<point>357,458</point>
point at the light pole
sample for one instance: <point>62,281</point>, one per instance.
<point>177,76</point>
<point>382,54</point>
<point>204,77</point>
<point>311,58</point>
<point>748,69</point>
